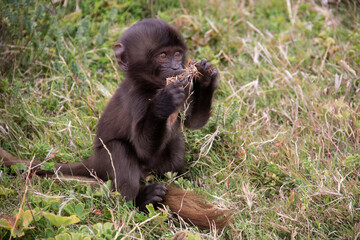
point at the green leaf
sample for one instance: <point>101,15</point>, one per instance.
<point>18,167</point>
<point>60,220</point>
<point>77,209</point>
<point>80,236</point>
<point>48,166</point>
<point>18,223</point>
<point>188,236</point>
<point>26,218</point>
<point>104,231</point>
<point>192,236</point>
<point>5,222</point>
<point>160,219</point>
<point>63,236</point>
<point>72,236</point>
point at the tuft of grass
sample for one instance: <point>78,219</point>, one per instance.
<point>282,146</point>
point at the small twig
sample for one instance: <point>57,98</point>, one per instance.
<point>267,141</point>
<point>53,11</point>
<point>112,162</point>
<point>24,196</point>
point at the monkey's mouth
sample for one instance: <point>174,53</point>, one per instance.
<point>171,73</point>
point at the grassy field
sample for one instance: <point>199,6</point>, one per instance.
<point>282,147</point>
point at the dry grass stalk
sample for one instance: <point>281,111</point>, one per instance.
<point>185,77</point>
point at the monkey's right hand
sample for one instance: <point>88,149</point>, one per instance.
<point>168,100</point>
<point>153,193</point>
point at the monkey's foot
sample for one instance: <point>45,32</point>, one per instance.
<point>153,193</point>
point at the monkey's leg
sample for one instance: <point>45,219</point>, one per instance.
<point>119,163</point>
<point>173,158</point>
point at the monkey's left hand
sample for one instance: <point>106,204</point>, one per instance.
<point>208,74</point>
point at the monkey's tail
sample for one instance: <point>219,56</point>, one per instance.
<point>79,168</point>
<point>195,210</point>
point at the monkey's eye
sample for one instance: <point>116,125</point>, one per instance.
<point>178,55</point>
<point>162,56</point>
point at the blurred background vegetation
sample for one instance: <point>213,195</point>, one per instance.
<point>282,147</point>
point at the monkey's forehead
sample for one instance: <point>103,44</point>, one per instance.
<point>151,34</point>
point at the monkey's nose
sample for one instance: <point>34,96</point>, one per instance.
<point>176,66</point>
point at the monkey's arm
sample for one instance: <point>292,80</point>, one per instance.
<point>150,130</point>
<point>205,84</point>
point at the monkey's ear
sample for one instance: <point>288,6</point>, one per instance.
<point>121,56</point>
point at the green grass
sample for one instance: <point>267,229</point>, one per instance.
<point>282,147</point>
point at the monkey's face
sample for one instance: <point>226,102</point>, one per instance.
<point>151,51</point>
<point>169,62</point>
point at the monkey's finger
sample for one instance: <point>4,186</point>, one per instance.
<point>160,191</point>
<point>180,80</point>
<point>155,199</point>
<point>203,62</point>
<point>214,73</point>
<point>208,65</point>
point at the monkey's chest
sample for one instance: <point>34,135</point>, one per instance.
<point>172,118</point>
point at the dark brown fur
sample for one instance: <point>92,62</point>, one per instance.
<point>138,134</point>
